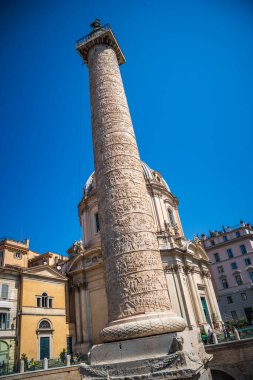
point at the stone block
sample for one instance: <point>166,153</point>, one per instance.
<point>129,350</point>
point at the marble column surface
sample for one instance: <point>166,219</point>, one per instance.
<point>138,300</point>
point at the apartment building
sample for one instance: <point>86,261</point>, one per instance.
<point>231,254</point>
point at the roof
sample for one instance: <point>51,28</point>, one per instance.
<point>147,172</point>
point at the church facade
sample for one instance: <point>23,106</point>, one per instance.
<point>186,266</point>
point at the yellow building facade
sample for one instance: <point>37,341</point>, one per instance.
<point>42,318</point>
<point>33,296</point>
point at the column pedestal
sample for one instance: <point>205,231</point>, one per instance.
<point>162,356</point>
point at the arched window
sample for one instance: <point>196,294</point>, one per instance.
<point>171,217</point>
<point>44,324</point>
<point>44,299</point>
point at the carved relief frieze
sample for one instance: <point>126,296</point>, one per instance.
<point>135,280</point>
<point>115,138</point>
<point>116,162</point>
<point>120,149</point>
<point>117,177</point>
<point>120,191</point>
<point>128,242</point>
<point>128,263</point>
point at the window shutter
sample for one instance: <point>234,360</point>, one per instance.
<point>8,320</point>
<point>5,291</point>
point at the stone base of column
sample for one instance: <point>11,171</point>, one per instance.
<point>82,347</point>
<point>144,325</point>
<point>158,357</point>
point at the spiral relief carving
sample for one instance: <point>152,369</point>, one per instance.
<point>135,281</point>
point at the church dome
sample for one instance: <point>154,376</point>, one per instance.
<point>150,175</point>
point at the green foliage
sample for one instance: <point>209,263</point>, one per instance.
<point>63,355</point>
<point>239,323</point>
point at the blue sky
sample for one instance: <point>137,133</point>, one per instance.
<point>189,84</point>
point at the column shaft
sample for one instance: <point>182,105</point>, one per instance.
<point>197,302</point>
<point>85,337</point>
<point>214,304</point>
<point>77,313</point>
<point>138,302</point>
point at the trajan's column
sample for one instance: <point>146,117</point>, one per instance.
<point>138,301</point>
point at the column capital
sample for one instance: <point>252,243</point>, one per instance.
<point>179,267</point>
<point>205,273</point>
<point>168,268</point>
<point>99,36</point>
<point>189,268</point>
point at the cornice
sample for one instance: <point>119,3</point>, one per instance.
<point>14,248</point>
<point>226,243</point>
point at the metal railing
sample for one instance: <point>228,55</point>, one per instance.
<point>92,34</point>
<point>244,333</point>
<point>38,365</point>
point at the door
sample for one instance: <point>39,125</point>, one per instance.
<point>69,345</point>
<point>44,347</point>
<point>205,308</point>
<point>4,358</point>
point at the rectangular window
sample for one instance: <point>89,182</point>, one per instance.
<point>212,242</point>
<point>171,217</point>
<point>220,269</point>
<point>44,301</point>
<point>225,238</point>
<point>216,257</point>
<point>224,283</point>
<point>4,291</point>
<point>237,234</point>
<point>38,301</point>
<point>247,261</point>
<point>97,226</point>
<point>238,279</point>
<point>251,276</point>
<point>230,253</point>
<point>50,302</point>
<point>230,299</point>
<point>18,255</point>
<point>244,296</point>
<point>233,265</point>
<point>243,249</point>
<point>234,315</point>
<point>4,321</point>
<point>1,258</point>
